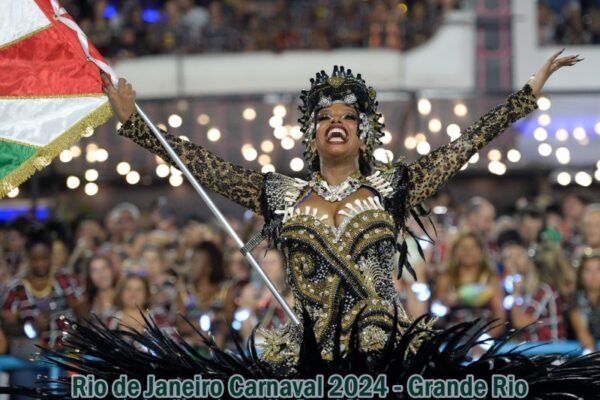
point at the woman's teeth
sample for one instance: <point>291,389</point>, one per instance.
<point>336,135</point>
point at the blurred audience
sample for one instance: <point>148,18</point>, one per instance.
<point>137,28</point>
<point>568,22</point>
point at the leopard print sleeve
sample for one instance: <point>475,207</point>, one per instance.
<point>238,184</point>
<point>429,172</point>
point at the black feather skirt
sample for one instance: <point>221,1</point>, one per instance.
<point>442,366</point>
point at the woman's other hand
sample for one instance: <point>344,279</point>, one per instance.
<point>121,97</point>
<point>553,64</point>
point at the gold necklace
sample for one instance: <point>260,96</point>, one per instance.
<point>42,292</point>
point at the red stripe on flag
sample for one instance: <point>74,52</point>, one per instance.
<point>49,63</point>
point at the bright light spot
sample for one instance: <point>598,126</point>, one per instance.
<point>13,193</point>
<point>249,114</point>
<point>91,175</point>
<point>297,164</point>
<point>563,178</point>
<point>421,290</point>
<point>438,309</point>
<point>213,134</point>
<point>184,138</point>
<point>583,178</point>
<point>123,168</point>
<point>497,168</point>
<point>464,167</point>
<point>544,103</point>
<point>132,177</point>
<point>162,127</point>
<point>242,314</point>
<point>295,132</point>
<point>75,151</point>
<point>420,137</point>
<point>73,182</point>
<point>175,171</point>
<point>435,125</point>
<point>597,175</point>
<point>474,158</point>
<point>264,159</point>
<point>280,132</point>
<point>90,189</point>
<point>494,155</point>
<point>65,156</point>
<point>101,155</point>
<point>584,142</point>
<point>29,330</point>
<point>597,128</point>
<point>91,147</point>
<point>162,170</point>
<point>460,110</point>
<point>544,120</point>
<point>205,323</point>
<point>89,131</point>
<point>453,130</point>
<point>90,156</point>
<point>267,146</point>
<point>267,168</point>
<point>118,126</point>
<point>579,133</point>
<point>563,155</point>
<point>540,134</point>
<point>386,138</point>
<point>175,180</point>
<point>545,149</point>
<point>279,110</point>
<point>287,143</point>
<point>275,121</point>
<point>383,155</point>
<point>410,142</point>
<point>203,119</point>
<point>562,135</point>
<point>513,155</point>
<point>424,106</point>
<point>423,148</point>
<point>249,152</point>
<point>175,121</point>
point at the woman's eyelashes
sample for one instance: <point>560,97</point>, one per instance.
<point>348,116</point>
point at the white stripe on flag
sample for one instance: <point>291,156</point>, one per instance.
<point>39,121</point>
<point>20,18</point>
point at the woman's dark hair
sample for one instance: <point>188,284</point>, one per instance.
<point>215,260</point>
<point>91,289</point>
<point>37,236</point>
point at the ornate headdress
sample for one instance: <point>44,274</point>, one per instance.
<point>342,86</point>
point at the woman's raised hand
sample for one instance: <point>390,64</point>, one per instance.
<point>553,64</point>
<point>121,97</point>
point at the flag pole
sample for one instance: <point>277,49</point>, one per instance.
<point>60,13</point>
<point>186,172</point>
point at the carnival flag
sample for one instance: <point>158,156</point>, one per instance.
<point>50,88</point>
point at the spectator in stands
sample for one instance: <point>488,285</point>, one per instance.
<point>470,287</point>
<point>584,313</point>
<point>537,307</point>
<point>38,304</point>
<point>590,229</point>
<point>207,301</point>
<point>530,222</point>
<point>132,298</point>
<point>100,282</point>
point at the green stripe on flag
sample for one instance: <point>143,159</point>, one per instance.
<point>12,156</point>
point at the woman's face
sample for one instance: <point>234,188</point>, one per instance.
<point>152,261</point>
<point>199,265</point>
<point>101,274</point>
<point>134,294</point>
<point>468,252</point>
<point>337,133</point>
<point>591,229</point>
<point>40,257</point>
<point>590,275</point>
<point>515,260</point>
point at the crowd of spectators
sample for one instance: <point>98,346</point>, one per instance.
<point>536,269</point>
<point>135,28</point>
<point>568,22</point>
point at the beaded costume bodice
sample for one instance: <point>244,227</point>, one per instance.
<point>339,275</point>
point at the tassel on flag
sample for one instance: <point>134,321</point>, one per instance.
<point>50,87</point>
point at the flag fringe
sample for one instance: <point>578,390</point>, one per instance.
<point>44,156</point>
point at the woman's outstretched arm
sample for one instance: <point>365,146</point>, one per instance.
<point>238,184</point>
<point>429,172</point>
